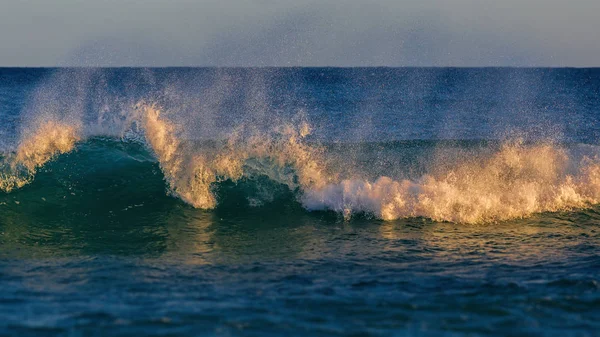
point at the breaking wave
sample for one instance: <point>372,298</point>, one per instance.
<point>517,181</point>
<point>513,180</point>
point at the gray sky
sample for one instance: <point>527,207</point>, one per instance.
<point>300,33</point>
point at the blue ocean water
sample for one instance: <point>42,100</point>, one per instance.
<point>300,201</point>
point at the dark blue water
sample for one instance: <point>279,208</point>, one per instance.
<point>103,240</point>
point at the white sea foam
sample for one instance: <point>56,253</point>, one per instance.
<point>190,173</point>
<point>515,181</point>
<point>38,145</point>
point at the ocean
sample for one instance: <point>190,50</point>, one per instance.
<point>300,202</point>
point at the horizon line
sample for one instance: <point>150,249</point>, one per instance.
<point>294,67</point>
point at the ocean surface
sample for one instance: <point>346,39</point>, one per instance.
<point>300,202</point>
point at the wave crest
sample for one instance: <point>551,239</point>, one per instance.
<point>37,147</point>
<point>515,182</point>
<point>190,172</point>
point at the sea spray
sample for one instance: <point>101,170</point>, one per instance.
<point>514,181</point>
<point>37,147</point>
<point>186,174</point>
<point>191,172</point>
<point>207,129</point>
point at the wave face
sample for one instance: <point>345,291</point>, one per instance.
<point>201,146</point>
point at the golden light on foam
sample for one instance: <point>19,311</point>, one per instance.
<point>517,181</point>
<point>39,146</point>
<point>187,176</point>
<point>190,174</point>
<point>50,139</point>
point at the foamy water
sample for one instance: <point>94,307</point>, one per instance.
<point>516,181</point>
<point>38,146</point>
<point>190,173</point>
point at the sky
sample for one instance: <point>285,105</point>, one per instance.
<point>300,33</point>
